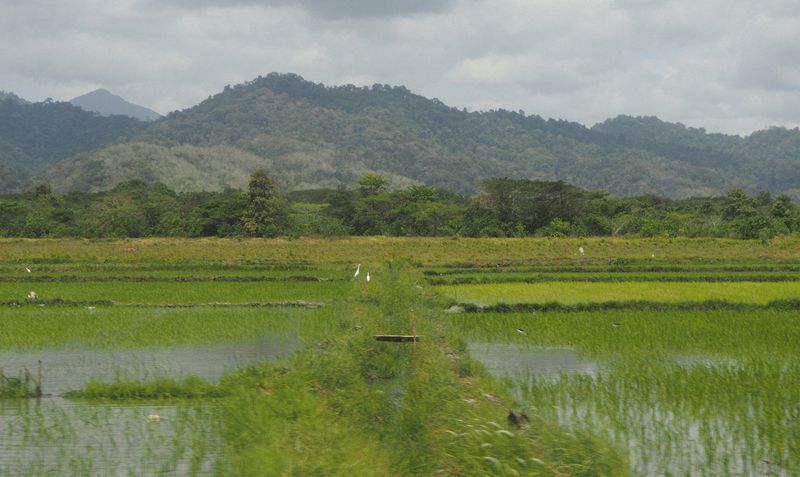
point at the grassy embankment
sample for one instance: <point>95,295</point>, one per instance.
<point>353,405</point>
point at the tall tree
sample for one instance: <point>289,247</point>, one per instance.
<point>267,213</point>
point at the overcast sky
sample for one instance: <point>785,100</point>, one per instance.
<point>728,65</point>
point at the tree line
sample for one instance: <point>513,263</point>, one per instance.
<point>503,208</point>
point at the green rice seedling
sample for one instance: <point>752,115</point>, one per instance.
<point>526,277</point>
<point>47,437</point>
<point>723,333</point>
<point>703,392</point>
<point>175,292</point>
<point>587,292</point>
<point>190,387</point>
<point>23,385</point>
<point>620,266</point>
<point>128,327</point>
<point>721,419</point>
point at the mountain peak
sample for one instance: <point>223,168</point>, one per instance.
<point>106,103</point>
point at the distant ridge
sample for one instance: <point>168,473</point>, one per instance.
<point>308,135</point>
<point>106,103</point>
<point>4,95</point>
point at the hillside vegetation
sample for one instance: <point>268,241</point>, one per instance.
<point>34,136</point>
<point>309,135</point>
<point>389,130</point>
<point>181,168</point>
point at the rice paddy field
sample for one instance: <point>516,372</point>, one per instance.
<point>258,357</point>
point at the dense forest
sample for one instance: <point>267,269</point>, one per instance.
<point>313,136</point>
<point>34,136</point>
<point>503,208</point>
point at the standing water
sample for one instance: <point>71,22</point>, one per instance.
<point>57,436</point>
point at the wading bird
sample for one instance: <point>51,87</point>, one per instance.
<point>358,270</point>
<point>580,251</point>
<point>368,279</point>
<point>32,295</point>
<point>27,269</point>
<point>616,325</point>
<point>521,331</point>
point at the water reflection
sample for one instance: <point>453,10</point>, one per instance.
<point>508,359</point>
<point>66,369</point>
<point>53,436</point>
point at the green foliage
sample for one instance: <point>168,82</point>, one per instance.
<point>350,405</point>
<point>182,168</point>
<point>191,387</point>
<point>34,136</point>
<point>23,385</point>
<point>371,184</point>
<point>267,212</point>
<point>311,136</point>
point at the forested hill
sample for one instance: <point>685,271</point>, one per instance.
<point>765,160</point>
<point>313,134</point>
<point>309,135</point>
<point>34,136</point>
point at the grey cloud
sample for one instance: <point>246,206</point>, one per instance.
<point>728,65</point>
<point>334,9</point>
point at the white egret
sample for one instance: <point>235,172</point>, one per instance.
<point>581,251</point>
<point>522,332</point>
<point>32,295</point>
<point>368,279</point>
<point>653,255</point>
<point>358,270</point>
<point>27,269</point>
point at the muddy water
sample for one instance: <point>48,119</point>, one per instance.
<point>56,436</point>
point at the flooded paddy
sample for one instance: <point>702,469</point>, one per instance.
<point>652,390</point>
<point>514,360</point>
<point>54,436</point>
<point>68,369</point>
<point>57,436</point>
<point>695,402</point>
<point>75,346</point>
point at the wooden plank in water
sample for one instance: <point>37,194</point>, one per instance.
<point>398,338</point>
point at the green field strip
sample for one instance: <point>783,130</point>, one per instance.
<point>590,292</point>
<point>176,292</point>
<point>131,327</point>
<point>607,277</point>
<point>164,278</point>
